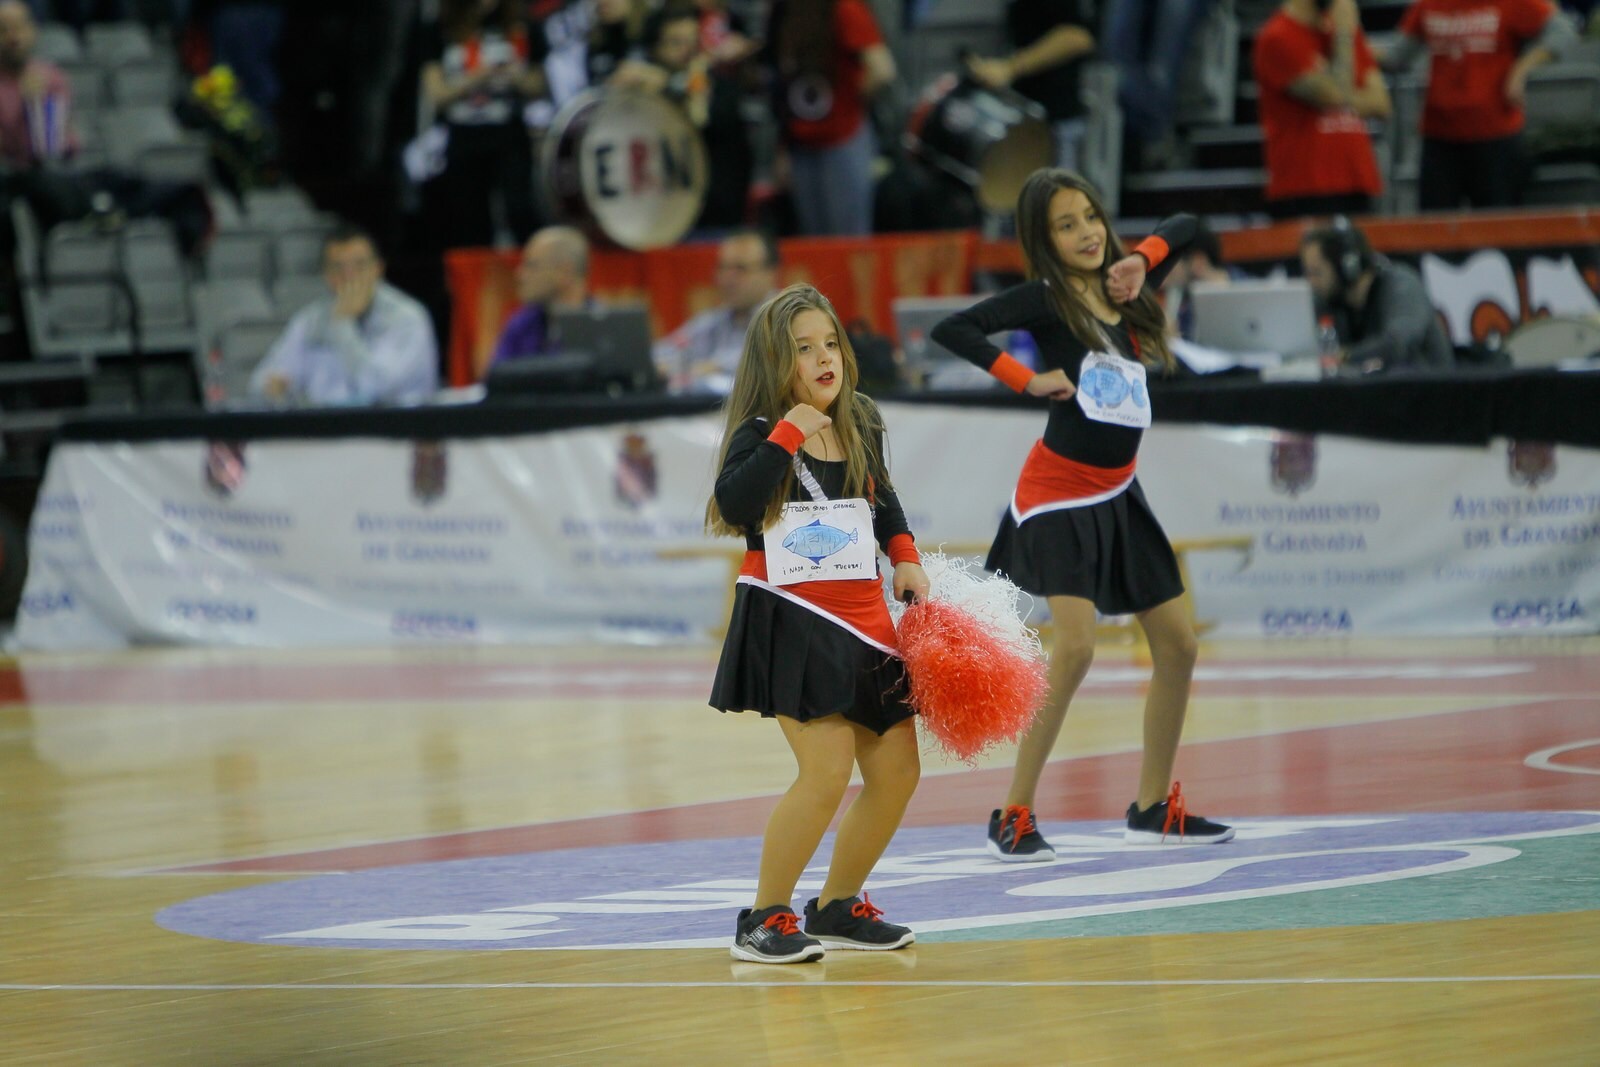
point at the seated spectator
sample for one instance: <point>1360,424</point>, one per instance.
<point>1200,262</point>
<point>364,343</point>
<point>35,97</point>
<point>1049,42</point>
<point>553,274</point>
<point>701,355</point>
<point>1319,84</point>
<point>1480,55</point>
<point>36,135</point>
<point>1380,309</point>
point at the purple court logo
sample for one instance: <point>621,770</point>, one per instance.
<point>1310,871</point>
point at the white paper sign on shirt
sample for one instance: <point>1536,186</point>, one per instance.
<point>1113,389</point>
<point>826,540</point>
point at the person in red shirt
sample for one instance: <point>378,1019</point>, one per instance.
<point>1481,53</point>
<point>1319,84</point>
<point>830,59</point>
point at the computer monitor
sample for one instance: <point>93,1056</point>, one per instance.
<point>615,337</point>
<point>1256,316</point>
<point>543,375</point>
<point>933,365</point>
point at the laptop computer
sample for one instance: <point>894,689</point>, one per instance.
<point>1256,316</point>
<point>615,338</point>
<point>932,365</point>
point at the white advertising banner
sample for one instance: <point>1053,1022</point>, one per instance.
<point>596,534</point>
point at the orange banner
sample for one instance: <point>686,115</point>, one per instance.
<point>860,275</point>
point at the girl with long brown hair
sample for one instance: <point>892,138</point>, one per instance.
<point>803,479</point>
<point>1079,531</point>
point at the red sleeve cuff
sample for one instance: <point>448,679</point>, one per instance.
<point>902,549</point>
<point>1012,371</point>
<point>787,436</point>
<point>1154,249</point>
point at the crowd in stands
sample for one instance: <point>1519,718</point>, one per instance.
<point>800,105</point>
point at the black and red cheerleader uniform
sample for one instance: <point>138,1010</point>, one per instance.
<point>814,648</point>
<point>1078,523</point>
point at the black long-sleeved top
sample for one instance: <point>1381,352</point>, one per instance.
<point>755,468</point>
<point>1396,326</point>
<point>1069,432</point>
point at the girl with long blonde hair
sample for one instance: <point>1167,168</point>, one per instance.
<point>803,478</point>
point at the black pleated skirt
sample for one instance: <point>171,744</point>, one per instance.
<point>1113,553</point>
<point>782,659</point>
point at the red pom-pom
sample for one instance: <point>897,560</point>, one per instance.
<point>970,690</point>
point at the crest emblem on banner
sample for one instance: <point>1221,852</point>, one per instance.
<point>1294,463</point>
<point>635,478</point>
<point>224,469</point>
<point>1530,463</point>
<point>430,471</point>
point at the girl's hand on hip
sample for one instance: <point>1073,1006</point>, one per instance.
<point>1052,383</point>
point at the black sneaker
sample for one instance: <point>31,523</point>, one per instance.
<point>1013,837</point>
<point>854,923</point>
<point>772,935</point>
<point>1169,822</point>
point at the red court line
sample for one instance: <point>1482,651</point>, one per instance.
<point>1456,761</point>
<point>187,685</point>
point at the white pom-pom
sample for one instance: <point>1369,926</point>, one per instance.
<point>989,598</point>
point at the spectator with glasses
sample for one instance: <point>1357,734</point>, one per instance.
<point>701,355</point>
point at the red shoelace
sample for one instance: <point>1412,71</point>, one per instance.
<point>1177,810</point>
<point>1023,820</point>
<point>865,909</point>
<point>784,922</point>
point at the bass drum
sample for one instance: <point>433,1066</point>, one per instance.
<point>626,166</point>
<point>990,139</point>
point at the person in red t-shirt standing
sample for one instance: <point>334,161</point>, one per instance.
<point>1472,120</point>
<point>1319,84</point>
<point>830,59</point>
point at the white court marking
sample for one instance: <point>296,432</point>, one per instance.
<point>799,980</point>
<point>1544,759</point>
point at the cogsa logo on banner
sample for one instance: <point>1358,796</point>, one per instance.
<point>212,611</point>
<point>1536,612</point>
<point>1312,620</point>
<point>433,624</point>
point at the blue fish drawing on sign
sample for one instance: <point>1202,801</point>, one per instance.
<point>1108,388</point>
<point>1104,386</point>
<point>817,542</point>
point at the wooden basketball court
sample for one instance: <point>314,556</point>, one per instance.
<point>509,855</point>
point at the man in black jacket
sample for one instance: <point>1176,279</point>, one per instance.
<point>1380,309</point>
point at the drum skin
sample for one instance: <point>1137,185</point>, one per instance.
<point>990,139</point>
<point>626,166</point>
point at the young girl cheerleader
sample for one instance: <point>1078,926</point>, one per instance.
<point>804,480</point>
<point>1078,530</point>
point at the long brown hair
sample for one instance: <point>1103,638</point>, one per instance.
<point>1144,317</point>
<point>763,387</point>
